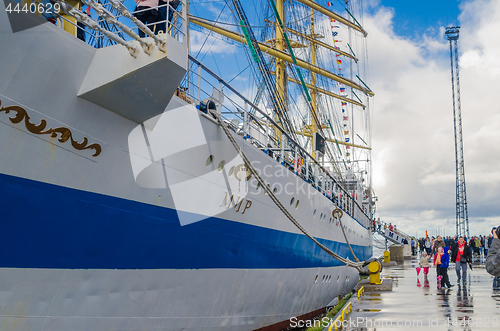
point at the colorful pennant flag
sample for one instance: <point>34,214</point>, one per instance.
<point>344,103</point>
<point>346,132</point>
<point>345,118</point>
<point>346,140</point>
<point>339,61</point>
<point>337,41</point>
<point>343,110</point>
<point>342,89</point>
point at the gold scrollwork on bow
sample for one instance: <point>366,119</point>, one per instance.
<point>65,133</point>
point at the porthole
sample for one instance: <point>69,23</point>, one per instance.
<point>314,212</point>
<point>316,279</point>
<point>209,160</point>
<point>323,278</point>
<point>221,165</point>
<point>292,200</point>
<point>338,278</point>
<point>330,278</point>
<point>297,204</point>
<point>321,216</point>
<point>275,190</point>
<point>231,171</point>
<point>258,186</point>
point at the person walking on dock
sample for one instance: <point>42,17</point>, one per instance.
<point>477,244</point>
<point>445,263</point>
<point>437,243</point>
<point>424,263</point>
<point>421,245</point>
<point>442,261</point>
<point>428,246</point>
<point>486,245</point>
<point>493,258</point>
<point>437,264</point>
<point>472,245</point>
<point>460,253</point>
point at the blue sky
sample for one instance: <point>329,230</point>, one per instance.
<point>412,18</point>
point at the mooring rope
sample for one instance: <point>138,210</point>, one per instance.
<point>336,212</point>
<point>357,265</point>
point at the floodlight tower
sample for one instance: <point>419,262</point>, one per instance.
<point>462,216</point>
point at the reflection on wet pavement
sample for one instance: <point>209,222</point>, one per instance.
<point>417,303</point>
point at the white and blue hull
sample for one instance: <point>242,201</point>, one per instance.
<point>85,247</point>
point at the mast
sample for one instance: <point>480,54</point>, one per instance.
<point>281,76</point>
<point>314,103</point>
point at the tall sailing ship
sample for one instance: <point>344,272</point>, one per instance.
<point>141,190</point>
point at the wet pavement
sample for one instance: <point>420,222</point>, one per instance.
<point>417,303</point>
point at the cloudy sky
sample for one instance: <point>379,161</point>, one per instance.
<point>413,142</point>
<point>409,71</point>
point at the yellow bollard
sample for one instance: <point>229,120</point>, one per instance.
<point>374,268</point>
<point>387,257</point>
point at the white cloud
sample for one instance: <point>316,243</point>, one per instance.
<point>204,42</point>
<point>413,141</point>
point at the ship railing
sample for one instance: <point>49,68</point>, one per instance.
<point>176,28</point>
<point>385,225</point>
<point>204,89</point>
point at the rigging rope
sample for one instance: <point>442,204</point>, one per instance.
<point>357,265</point>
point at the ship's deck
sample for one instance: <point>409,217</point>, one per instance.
<point>418,304</point>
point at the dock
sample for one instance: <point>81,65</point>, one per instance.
<point>417,303</point>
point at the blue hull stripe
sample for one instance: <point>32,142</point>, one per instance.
<point>49,226</point>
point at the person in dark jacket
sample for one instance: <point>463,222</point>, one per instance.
<point>437,243</point>
<point>493,258</point>
<point>461,255</point>
<point>472,245</point>
<point>421,245</point>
